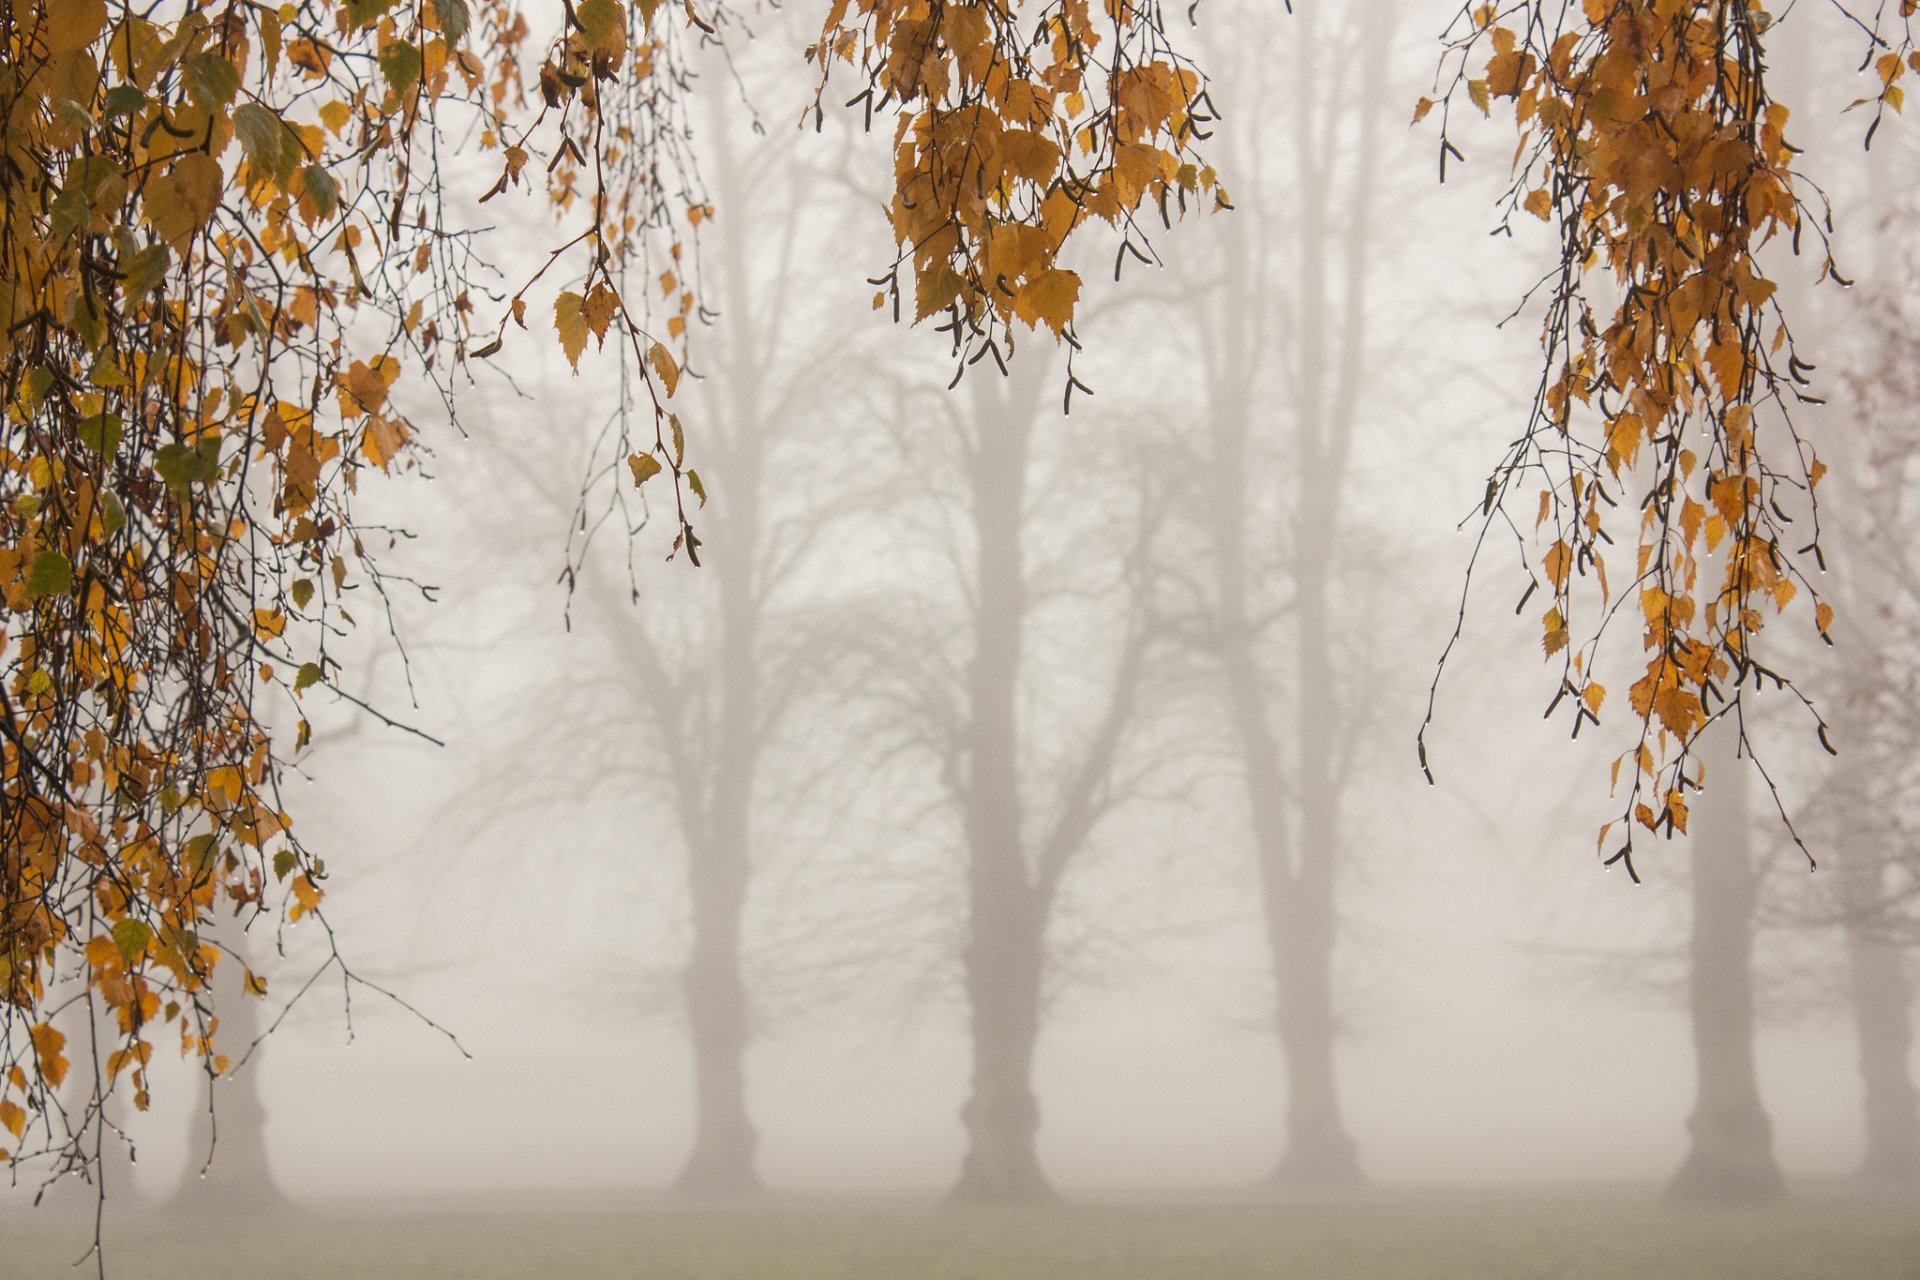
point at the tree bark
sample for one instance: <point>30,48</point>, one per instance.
<point>227,1166</point>
<point>1002,1114</point>
<point>725,1143</point>
<point>1883,1021</point>
<point>1004,958</point>
<point>720,863</point>
<point>719,800</point>
<point>1731,1158</point>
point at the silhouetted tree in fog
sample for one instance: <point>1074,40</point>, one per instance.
<point>1868,815</point>
<point>1731,1152</point>
<point>687,680</point>
<point>1022,704</point>
<point>227,1168</point>
<point>1283,349</point>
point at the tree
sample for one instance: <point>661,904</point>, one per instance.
<point>1653,146</point>
<point>226,238</point>
<point>1281,342</point>
<point>1017,682</point>
<point>1730,1157</point>
<point>717,674</point>
<point>1866,811</point>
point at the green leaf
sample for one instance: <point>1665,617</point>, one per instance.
<point>113,516</point>
<point>100,433</point>
<point>302,592</point>
<point>144,269</point>
<point>699,489</point>
<point>308,676</point>
<point>603,22</point>
<point>319,190</point>
<point>69,213</point>
<point>210,79</point>
<point>180,466</point>
<point>270,149</point>
<point>87,319</point>
<point>400,64</point>
<point>200,853</point>
<point>123,100</point>
<point>361,12</point>
<point>283,864</point>
<point>453,17</point>
<point>130,938</point>
<point>50,575</point>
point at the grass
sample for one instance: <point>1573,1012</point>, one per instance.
<point>1386,1237</point>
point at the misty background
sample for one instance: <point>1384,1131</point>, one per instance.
<point>990,735</point>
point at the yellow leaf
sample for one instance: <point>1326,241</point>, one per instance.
<point>599,310</point>
<point>1558,560</point>
<point>662,361</point>
<point>13,1118</point>
<point>47,1044</point>
<point>199,180</point>
<point>644,466</point>
<point>1048,299</point>
<point>306,896</point>
<point>74,24</point>
<point>570,322</point>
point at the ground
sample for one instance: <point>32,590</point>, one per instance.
<point>1820,1235</point>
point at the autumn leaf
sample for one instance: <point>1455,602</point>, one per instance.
<point>49,1043</point>
<point>130,938</point>
<point>599,309</point>
<point>662,361</point>
<point>1048,299</point>
<point>570,322</point>
<point>73,25</point>
<point>51,575</point>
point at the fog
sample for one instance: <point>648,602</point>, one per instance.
<point>986,734</point>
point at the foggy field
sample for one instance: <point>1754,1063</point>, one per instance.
<point>1454,1238</point>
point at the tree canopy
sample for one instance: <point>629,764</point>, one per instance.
<point>228,234</point>
<point>230,228</point>
<point>1652,142</point>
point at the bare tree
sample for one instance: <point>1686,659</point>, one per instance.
<point>1731,1152</point>
<point>1024,704</point>
<point>1285,350</point>
<point>686,679</point>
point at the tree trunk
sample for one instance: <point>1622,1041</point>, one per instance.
<point>1007,911</point>
<point>1001,1114</point>
<point>1731,1158</point>
<point>1882,1012</point>
<point>720,846</point>
<point>720,865</point>
<point>227,1166</point>
<point>725,1142</point>
<point>1319,1150</point>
